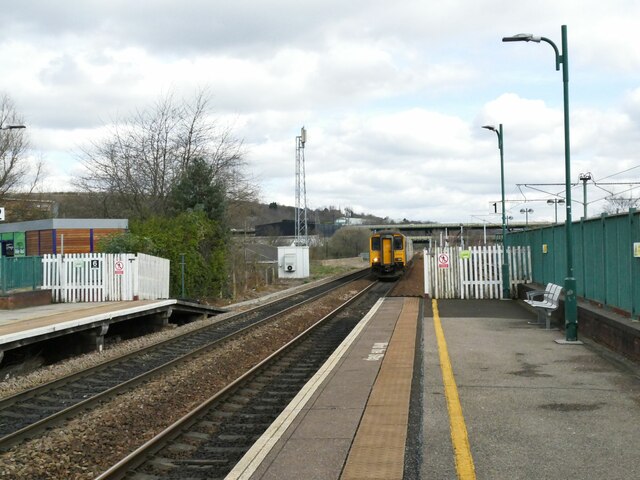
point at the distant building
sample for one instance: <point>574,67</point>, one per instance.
<point>284,228</point>
<point>350,221</point>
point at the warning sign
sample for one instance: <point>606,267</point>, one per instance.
<point>119,267</point>
<point>443,260</point>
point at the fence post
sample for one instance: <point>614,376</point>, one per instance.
<point>604,257</point>
<point>3,274</point>
<point>33,273</point>
<point>632,212</point>
<point>182,265</point>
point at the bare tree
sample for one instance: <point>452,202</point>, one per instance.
<point>616,204</point>
<point>142,157</point>
<point>15,170</point>
<point>349,242</point>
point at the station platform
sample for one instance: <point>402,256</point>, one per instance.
<point>36,324</point>
<point>457,389</point>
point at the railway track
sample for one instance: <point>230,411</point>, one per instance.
<point>25,415</point>
<point>209,441</point>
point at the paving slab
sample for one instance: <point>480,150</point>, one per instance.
<point>533,408</point>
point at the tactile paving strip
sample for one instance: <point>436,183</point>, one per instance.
<point>377,451</point>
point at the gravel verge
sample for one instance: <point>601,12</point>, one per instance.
<point>91,443</point>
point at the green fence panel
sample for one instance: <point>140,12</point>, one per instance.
<point>20,272</point>
<point>634,268</point>
<point>604,265</point>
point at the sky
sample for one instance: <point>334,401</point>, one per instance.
<point>393,95</point>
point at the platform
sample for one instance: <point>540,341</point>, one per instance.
<point>491,397</point>
<point>37,324</point>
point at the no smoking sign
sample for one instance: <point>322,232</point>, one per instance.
<point>119,267</point>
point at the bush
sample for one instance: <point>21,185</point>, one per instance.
<point>201,240</point>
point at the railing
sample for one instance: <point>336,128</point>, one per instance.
<point>101,277</point>
<point>606,265</point>
<point>20,273</point>
<point>476,272</point>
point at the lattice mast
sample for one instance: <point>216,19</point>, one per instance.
<point>302,236</point>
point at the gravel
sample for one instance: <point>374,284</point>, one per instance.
<point>12,385</point>
<point>92,442</point>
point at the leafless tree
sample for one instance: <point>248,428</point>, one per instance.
<point>617,204</point>
<point>144,155</point>
<point>16,173</point>
<point>349,242</point>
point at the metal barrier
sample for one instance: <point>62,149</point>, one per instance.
<point>20,273</point>
<point>605,262</point>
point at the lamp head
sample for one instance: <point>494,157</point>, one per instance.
<point>490,127</point>
<point>522,37</point>
<point>12,127</point>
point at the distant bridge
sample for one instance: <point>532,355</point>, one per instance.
<point>453,233</point>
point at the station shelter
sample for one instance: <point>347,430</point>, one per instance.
<point>56,235</point>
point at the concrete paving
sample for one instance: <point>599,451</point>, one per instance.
<point>533,409</point>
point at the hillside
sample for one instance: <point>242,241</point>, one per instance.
<point>241,214</point>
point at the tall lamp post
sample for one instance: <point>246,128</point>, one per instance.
<point>570,301</point>
<point>555,202</point>
<point>506,282</point>
<point>526,212</point>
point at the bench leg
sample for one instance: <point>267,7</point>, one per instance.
<point>548,321</point>
<point>540,314</point>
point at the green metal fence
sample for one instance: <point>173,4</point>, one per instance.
<point>605,267</point>
<point>20,272</point>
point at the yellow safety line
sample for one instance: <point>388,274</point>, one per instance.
<point>459,437</point>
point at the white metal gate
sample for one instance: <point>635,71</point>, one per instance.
<point>103,277</point>
<point>476,272</point>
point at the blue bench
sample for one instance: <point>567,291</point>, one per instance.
<point>545,302</point>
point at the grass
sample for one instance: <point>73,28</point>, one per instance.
<point>317,270</point>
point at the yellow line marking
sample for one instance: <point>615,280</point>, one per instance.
<point>459,437</point>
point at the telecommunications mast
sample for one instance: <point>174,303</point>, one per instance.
<point>302,236</point>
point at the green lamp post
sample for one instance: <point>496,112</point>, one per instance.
<point>570,301</point>
<point>506,283</point>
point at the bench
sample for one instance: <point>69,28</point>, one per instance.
<point>547,304</point>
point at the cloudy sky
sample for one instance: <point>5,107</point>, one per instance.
<point>393,94</point>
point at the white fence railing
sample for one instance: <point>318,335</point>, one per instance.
<point>104,277</point>
<point>476,272</point>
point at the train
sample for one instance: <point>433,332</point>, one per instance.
<point>390,253</point>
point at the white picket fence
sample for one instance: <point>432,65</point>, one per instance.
<point>105,277</point>
<point>476,272</point>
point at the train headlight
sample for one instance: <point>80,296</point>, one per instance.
<point>398,259</point>
<point>376,260</point>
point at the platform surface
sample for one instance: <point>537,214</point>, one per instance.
<point>530,408</point>
<point>35,321</point>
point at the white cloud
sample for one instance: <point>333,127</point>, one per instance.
<point>393,96</point>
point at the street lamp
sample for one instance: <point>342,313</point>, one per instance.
<point>570,301</point>
<point>526,212</point>
<point>584,178</point>
<point>555,202</point>
<point>506,283</point>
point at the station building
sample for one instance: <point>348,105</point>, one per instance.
<point>57,235</point>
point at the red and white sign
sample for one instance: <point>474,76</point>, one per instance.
<point>443,260</point>
<point>119,267</point>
